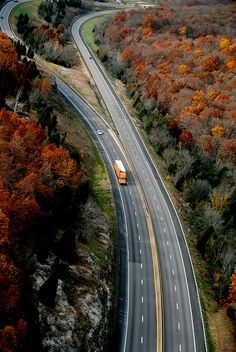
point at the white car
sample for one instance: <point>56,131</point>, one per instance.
<point>99,132</point>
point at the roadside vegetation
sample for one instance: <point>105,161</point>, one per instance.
<point>178,64</point>
<point>57,220</point>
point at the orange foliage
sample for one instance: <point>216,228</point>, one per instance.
<point>184,69</point>
<point>186,138</point>
<point>211,64</point>
<point>61,28</point>
<point>127,53</point>
<point>232,289</point>
<point>230,64</point>
<point>218,131</point>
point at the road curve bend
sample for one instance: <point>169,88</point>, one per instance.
<point>183,322</point>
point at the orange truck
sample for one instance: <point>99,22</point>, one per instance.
<point>120,172</point>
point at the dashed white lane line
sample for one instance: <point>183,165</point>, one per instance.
<point>157,207</point>
<point>130,192</point>
<point>175,288</point>
<point>178,325</point>
<point>146,179</point>
<point>177,306</point>
<point>141,265</point>
<point>154,198</point>
<point>140,251</point>
<point>180,348</point>
<point>170,257</point>
<point>133,203</point>
<point>141,339</point>
<point>142,282</point>
<point>164,230</point>
<point>142,318</point>
<point>142,299</point>
<point>167,242</point>
<point>139,238</point>
<point>161,219</point>
<point>173,272</point>
<point>135,213</point>
<point>137,224</point>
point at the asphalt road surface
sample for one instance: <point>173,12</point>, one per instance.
<point>137,324</point>
<point>182,328</point>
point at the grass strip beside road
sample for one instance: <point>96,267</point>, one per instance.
<point>87,31</point>
<point>31,9</point>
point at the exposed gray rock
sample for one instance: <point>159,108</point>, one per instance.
<point>79,320</point>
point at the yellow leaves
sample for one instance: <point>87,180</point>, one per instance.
<point>184,69</point>
<point>212,94</point>
<point>230,64</point>
<point>198,97</point>
<point>218,131</point>
<point>219,198</point>
<point>224,43</point>
<point>182,30</point>
<point>197,52</point>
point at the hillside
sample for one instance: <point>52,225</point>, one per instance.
<point>56,246</point>
<point>178,63</point>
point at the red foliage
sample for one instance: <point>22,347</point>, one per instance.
<point>186,138</point>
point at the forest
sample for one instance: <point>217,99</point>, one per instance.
<point>178,62</point>
<point>37,176</point>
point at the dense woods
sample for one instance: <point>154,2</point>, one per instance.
<point>39,183</point>
<point>178,61</point>
<point>49,37</point>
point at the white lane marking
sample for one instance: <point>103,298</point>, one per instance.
<point>170,257</point>
<point>142,318</point>
<point>139,238</point>
<point>130,192</point>
<point>133,203</point>
<point>146,179</point>
<point>142,282</point>
<point>141,265</point>
<point>178,325</point>
<point>137,224</point>
<point>135,213</point>
<point>180,348</point>
<point>167,243</point>
<point>177,306</point>
<point>161,219</point>
<point>157,207</point>
<point>113,151</point>
<point>140,251</point>
<point>154,198</point>
<point>142,299</point>
<point>142,339</point>
<point>164,229</point>
<point>175,288</point>
<point>173,272</point>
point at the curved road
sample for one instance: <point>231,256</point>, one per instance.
<point>183,324</point>
<point>137,326</point>
<point>183,328</point>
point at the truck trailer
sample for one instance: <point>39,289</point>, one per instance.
<point>120,172</point>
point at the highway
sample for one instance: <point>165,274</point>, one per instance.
<point>182,319</point>
<point>183,325</point>
<point>137,314</point>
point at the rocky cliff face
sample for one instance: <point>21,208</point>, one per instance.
<point>73,298</point>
